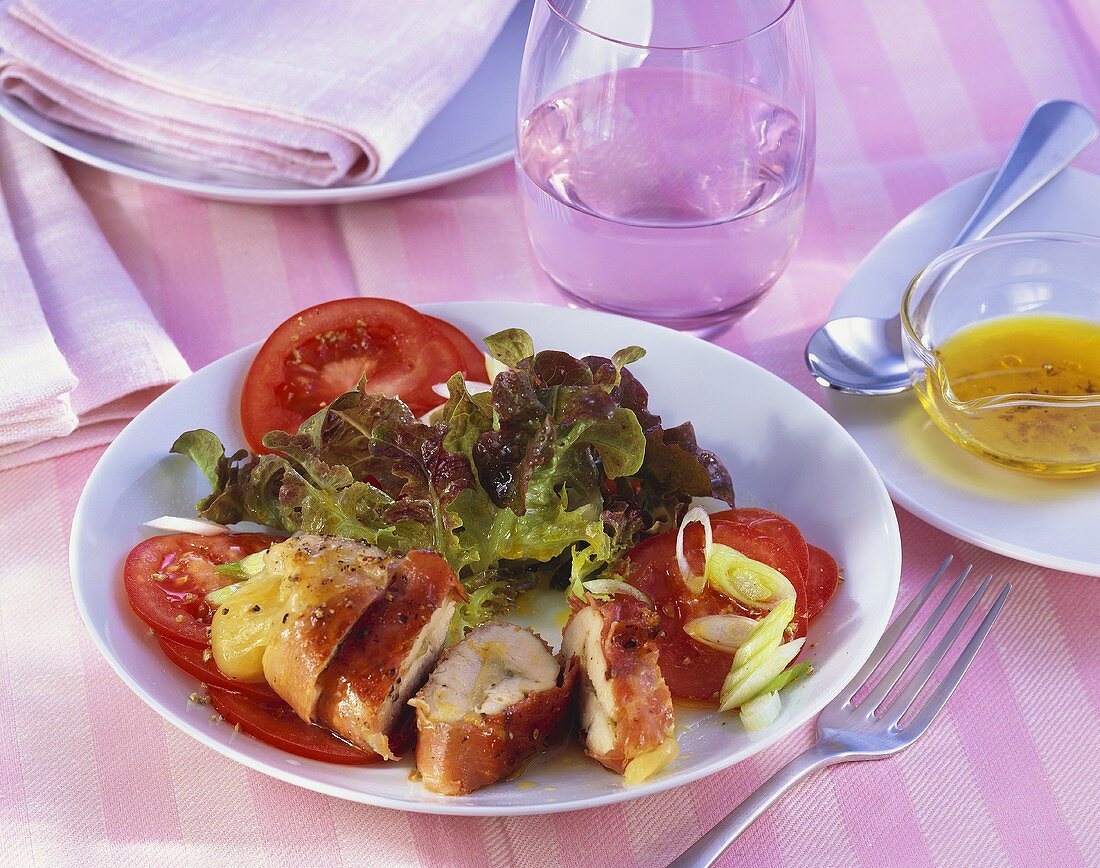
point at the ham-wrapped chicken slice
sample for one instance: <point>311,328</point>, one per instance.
<point>497,698</point>
<point>327,583</point>
<point>344,633</point>
<point>626,714</point>
<point>388,654</point>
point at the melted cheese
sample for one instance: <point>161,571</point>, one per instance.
<point>298,576</point>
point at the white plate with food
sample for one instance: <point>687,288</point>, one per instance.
<point>1037,520</point>
<point>549,482</point>
<point>473,132</point>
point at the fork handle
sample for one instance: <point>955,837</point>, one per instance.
<point>714,843</point>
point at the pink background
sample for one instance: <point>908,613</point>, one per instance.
<point>913,96</point>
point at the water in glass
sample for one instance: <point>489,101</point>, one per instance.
<point>672,184</point>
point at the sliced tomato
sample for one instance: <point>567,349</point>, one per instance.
<point>325,350</point>
<point>694,671</point>
<point>168,577</point>
<point>691,670</point>
<point>779,527</point>
<point>473,360</point>
<point>760,544</point>
<point>197,663</point>
<point>276,724</point>
<point>821,581</point>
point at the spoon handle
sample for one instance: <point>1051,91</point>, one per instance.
<point>1055,133</point>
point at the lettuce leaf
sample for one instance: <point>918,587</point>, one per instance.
<point>675,468</point>
<point>244,488</point>
<point>466,416</point>
<point>549,406</point>
<point>510,346</point>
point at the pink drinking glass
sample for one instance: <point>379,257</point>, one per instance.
<point>664,151</point>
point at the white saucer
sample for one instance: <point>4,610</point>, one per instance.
<point>1040,521</point>
<point>473,132</point>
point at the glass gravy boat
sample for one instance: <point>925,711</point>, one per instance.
<point>973,299</point>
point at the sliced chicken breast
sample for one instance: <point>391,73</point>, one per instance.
<point>496,699</point>
<point>387,655</point>
<point>625,706</point>
<point>356,632</point>
<point>326,585</point>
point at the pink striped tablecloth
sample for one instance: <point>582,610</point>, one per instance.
<point>913,96</point>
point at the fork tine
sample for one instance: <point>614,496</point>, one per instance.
<point>923,718</point>
<point>905,699</point>
<point>897,670</point>
<point>891,636</point>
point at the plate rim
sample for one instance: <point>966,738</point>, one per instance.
<point>246,195</point>
<point>906,501</point>
<point>878,621</point>
<point>499,150</point>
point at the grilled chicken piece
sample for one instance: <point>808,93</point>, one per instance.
<point>625,706</point>
<point>327,583</point>
<point>354,632</point>
<point>497,698</point>
<point>389,652</point>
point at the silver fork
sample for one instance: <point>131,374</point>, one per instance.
<point>847,731</point>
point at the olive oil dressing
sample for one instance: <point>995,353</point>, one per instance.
<point>1017,389</point>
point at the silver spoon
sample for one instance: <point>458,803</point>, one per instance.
<point>862,355</point>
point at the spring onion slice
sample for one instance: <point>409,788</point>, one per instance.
<point>768,633</point>
<point>761,712</point>
<point>242,570</point>
<point>746,580</point>
<point>695,583</point>
<point>721,632</point>
<point>473,387</point>
<point>218,597</point>
<point>176,524</point>
<point>611,587</point>
<point>745,682</point>
<point>252,564</point>
<point>493,367</point>
<point>789,676</point>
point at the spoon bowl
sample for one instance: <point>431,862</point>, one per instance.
<point>860,355</point>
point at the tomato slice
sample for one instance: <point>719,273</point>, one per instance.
<point>276,724</point>
<point>473,360</point>
<point>195,662</point>
<point>760,544</point>
<point>778,527</point>
<point>168,577</point>
<point>691,670</point>
<point>821,580</point>
<point>323,352</point>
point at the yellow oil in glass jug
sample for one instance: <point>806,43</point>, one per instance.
<point>1022,390</point>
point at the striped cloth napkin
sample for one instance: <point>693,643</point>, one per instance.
<point>310,90</point>
<point>81,352</point>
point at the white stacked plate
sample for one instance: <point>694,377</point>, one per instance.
<point>473,132</point>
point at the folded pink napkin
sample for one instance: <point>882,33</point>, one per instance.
<point>81,351</point>
<point>313,90</point>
